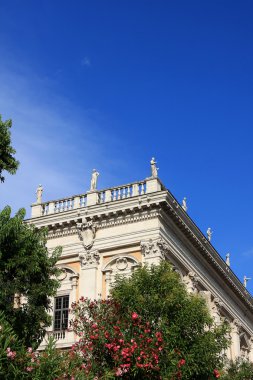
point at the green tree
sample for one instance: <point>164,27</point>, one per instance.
<point>239,370</point>
<point>159,296</point>
<point>7,160</point>
<point>28,276</point>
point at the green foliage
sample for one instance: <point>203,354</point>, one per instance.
<point>239,370</point>
<point>7,160</point>
<point>9,345</point>
<point>159,296</point>
<point>27,274</point>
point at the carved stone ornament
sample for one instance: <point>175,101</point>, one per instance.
<point>89,258</point>
<point>153,248</point>
<point>87,232</point>
<point>62,275</point>
<point>121,263</point>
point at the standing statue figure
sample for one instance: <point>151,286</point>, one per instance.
<point>228,259</point>
<point>39,192</point>
<point>184,205</point>
<point>94,179</point>
<point>209,233</point>
<point>245,280</point>
<point>154,169</point>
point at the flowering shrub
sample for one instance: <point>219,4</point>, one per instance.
<point>150,329</point>
<point>121,344</point>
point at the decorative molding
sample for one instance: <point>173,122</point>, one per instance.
<point>109,220</point>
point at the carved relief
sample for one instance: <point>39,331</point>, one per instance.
<point>157,248</point>
<point>120,266</point>
<point>87,232</point>
<point>191,281</point>
<point>121,263</point>
<point>89,258</point>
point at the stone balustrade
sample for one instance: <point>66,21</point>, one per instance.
<point>122,192</point>
<point>97,197</point>
<point>63,338</point>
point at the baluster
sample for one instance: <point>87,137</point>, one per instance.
<point>108,195</point>
<point>142,189</point>
<point>124,192</point>
<point>119,195</point>
<point>114,194</point>
<point>128,192</point>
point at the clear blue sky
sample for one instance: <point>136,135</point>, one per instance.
<point>109,84</point>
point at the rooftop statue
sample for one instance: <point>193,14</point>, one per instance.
<point>209,233</point>
<point>94,179</point>
<point>154,169</point>
<point>245,280</point>
<point>39,192</point>
<point>184,205</point>
<point>228,259</point>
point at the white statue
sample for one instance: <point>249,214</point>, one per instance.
<point>94,179</point>
<point>209,233</point>
<point>228,259</point>
<point>39,192</point>
<point>184,205</point>
<point>245,280</point>
<point>154,169</point>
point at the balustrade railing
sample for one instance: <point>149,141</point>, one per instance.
<point>91,198</point>
<point>62,205</point>
<point>122,192</point>
<point>57,335</point>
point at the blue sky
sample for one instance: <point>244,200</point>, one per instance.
<point>109,84</point>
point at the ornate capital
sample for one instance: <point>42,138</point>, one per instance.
<point>191,281</point>
<point>154,248</point>
<point>236,326</point>
<point>218,304</point>
<point>89,258</point>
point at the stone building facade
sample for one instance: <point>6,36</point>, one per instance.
<point>113,231</point>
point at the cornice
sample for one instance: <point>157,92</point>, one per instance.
<point>193,233</point>
<point>103,221</point>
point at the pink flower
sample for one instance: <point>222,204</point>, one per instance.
<point>29,349</point>
<point>216,373</point>
<point>180,363</point>
<point>135,316</point>
<point>11,354</point>
<point>29,369</point>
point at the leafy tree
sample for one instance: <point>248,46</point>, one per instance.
<point>239,370</point>
<point>159,297</point>
<point>27,277</point>
<point>7,160</point>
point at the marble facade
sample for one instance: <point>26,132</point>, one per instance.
<point>113,231</point>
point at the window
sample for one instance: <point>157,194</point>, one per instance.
<point>61,312</point>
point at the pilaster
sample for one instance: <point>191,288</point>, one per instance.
<point>88,276</point>
<point>235,335</point>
